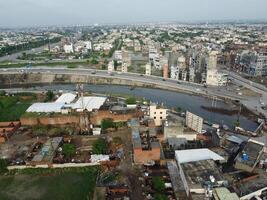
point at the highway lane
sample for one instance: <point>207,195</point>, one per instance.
<point>14,56</point>
<point>252,103</point>
<point>261,89</point>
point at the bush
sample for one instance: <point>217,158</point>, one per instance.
<point>2,92</point>
<point>100,146</point>
<point>161,197</point>
<point>68,150</point>
<point>3,166</point>
<point>49,95</point>
<point>107,123</point>
<point>158,184</point>
<point>130,101</point>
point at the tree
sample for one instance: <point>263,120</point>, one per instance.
<point>2,93</point>
<point>68,150</point>
<point>158,184</point>
<point>131,100</point>
<point>237,123</point>
<point>49,95</point>
<point>100,146</point>
<point>160,197</point>
<point>107,123</point>
<point>3,166</point>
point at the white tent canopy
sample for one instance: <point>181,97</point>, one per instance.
<point>45,107</point>
<point>193,155</point>
<point>66,98</point>
<point>89,103</point>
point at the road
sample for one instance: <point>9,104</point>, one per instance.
<point>14,56</point>
<point>258,88</point>
<point>252,103</point>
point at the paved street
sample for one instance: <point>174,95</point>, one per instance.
<point>251,102</point>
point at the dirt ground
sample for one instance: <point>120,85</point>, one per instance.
<point>250,93</point>
<point>126,167</point>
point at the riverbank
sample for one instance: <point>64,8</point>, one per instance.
<point>169,99</point>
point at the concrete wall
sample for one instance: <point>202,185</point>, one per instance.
<point>10,80</point>
<point>52,166</point>
<point>95,118</point>
<point>56,120</point>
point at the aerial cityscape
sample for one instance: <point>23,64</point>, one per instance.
<point>133,100</point>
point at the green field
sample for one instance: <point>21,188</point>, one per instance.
<point>12,107</point>
<point>46,184</point>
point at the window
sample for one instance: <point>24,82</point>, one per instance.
<point>154,117</point>
<point>161,113</point>
<point>155,113</point>
<point>160,117</point>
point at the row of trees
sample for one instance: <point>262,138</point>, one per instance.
<point>31,44</point>
<point>100,146</point>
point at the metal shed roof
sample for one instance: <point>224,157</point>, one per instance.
<point>66,98</point>
<point>192,155</point>
<point>45,107</point>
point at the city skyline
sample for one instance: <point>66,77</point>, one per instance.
<point>15,13</point>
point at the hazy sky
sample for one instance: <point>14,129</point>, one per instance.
<point>72,12</point>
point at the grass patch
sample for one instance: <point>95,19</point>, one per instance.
<point>12,107</point>
<point>43,184</point>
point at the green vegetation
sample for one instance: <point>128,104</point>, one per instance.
<point>6,64</point>
<point>43,184</point>
<point>159,186</point>
<point>131,101</point>
<point>12,107</point>
<point>22,47</point>
<point>117,44</point>
<point>160,197</point>
<point>3,166</point>
<point>2,92</point>
<point>49,95</point>
<point>72,66</point>
<point>237,123</point>
<point>40,130</point>
<point>68,150</point>
<point>100,146</point>
<point>109,123</point>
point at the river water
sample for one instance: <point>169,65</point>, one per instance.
<point>169,98</point>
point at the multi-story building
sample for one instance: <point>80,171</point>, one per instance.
<point>212,60</point>
<point>194,122</point>
<point>191,74</point>
<point>68,48</point>
<point>111,66</point>
<point>216,78</point>
<point>175,72</point>
<point>158,114</point>
<point>165,71</point>
<point>148,69</point>
<point>258,64</point>
<point>124,67</point>
<point>181,62</point>
<point>118,55</point>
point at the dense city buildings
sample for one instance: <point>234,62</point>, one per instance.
<point>150,111</point>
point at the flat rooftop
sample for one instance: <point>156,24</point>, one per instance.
<point>200,173</point>
<point>192,155</point>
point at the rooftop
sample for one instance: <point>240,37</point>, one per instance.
<point>202,173</point>
<point>89,103</point>
<point>192,155</point>
<point>66,98</point>
<point>46,107</point>
<point>223,193</point>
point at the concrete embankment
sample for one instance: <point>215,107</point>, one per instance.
<point>32,79</point>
